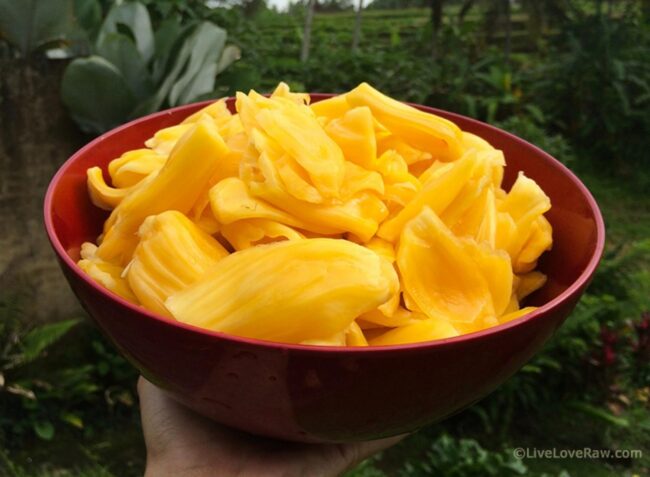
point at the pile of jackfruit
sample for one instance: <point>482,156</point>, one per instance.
<point>353,221</point>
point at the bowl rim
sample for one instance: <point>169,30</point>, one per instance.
<point>566,295</point>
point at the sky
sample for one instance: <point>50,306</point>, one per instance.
<point>279,4</point>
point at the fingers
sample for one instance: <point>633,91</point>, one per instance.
<point>176,437</point>
<point>158,416</point>
<point>351,455</point>
<point>330,460</point>
<point>370,448</point>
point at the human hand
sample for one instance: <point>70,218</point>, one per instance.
<point>181,443</point>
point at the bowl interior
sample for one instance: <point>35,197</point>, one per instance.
<point>578,231</point>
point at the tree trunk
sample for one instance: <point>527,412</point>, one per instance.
<point>306,33</point>
<point>356,36</point>
<point>36,137</point>
<point>436,22</point>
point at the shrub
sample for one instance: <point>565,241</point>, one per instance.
<point>136,71</point>
<point>595,88</point>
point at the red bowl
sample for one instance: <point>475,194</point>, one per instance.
<point>327,394</point>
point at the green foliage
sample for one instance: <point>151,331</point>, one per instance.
<point>443,455</point>
<point>136,71</point>
<point>89,15</point>
<point>84,91</point>
<point>184,10</point>
<point>463,458</point>
<point>44,386</point>
<point>533,131</point>
<point>11,469</point>
<point>596,84</point>
<point>21,347</point>
<point>34,25</point>
<point>596,347</point>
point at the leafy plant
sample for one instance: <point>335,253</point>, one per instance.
<point>463,458</point>
<point>161,10</point>
<point>44,385</point>
<point>136,71</point>
<point>19,348</point>
<point>534,131</point>
<point>595,88</point>
<point>34,25</point>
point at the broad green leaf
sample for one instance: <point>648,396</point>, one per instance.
<point>42,337</point>
<point>32,24</point>
<point>231,53</point>
<point>205,47</point>
<point>96,94</point>
<point>122,53</point>
<point>166,37</point>
<point>44,430</point>
<point>156,101</point>
<point>135,17</point>
<point>88,14</point>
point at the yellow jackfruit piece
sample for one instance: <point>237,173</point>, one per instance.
<point>296,181</point>
<point>133,166</point>
<point>382,248</point>
<point>217,110</point>
<point>409,153</point>
<point>331,108</point>
<point>358,179</point>
<point>231,201</point>
<point>525,203</point>
<point>436,194</point>
<point>528,283</point>
<point>354,132</point>
<point>175,187</point>
<point>424,131</point>
<point>282,90</point>
<point>207,222</point>
<point>337,339</point>
<point>496,269</point>
<point>434,170</point>
<point>399,317</point>
<point>540,240</point>
<point>446,276</point>
<point>106,274</point>
<point>425,329</point>
<point>248,233</point>
<point>360,214</point>
<point>354,335</point>
<point>459,216</point>
<point>394,169</point>
<point>516,314</point>
<point>164,140</point>
<point>303,139</point>
<point>487,230</point>
<point>288,291</point>
<point>101,194</point>
<point>172,254</point>
<point>472,141</point>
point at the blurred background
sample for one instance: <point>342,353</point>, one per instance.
<point>571,76</point>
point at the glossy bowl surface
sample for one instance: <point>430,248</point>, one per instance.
<point>327,394</point>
